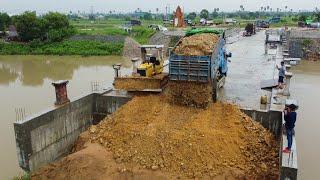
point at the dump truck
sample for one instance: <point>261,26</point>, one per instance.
<point>250,29</point>
<point>201,70</point>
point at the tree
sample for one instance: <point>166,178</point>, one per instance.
<point>215,14</point>
<point>55,20</point>
<point>192,15</point>
<point>204,14</point>
<point>147,16</point>
<point>317,16</point>
<point>241,8</point>
<point>52,26</point>
<point>302,18</point>
<point>5,21</point>
<point>29,27</point>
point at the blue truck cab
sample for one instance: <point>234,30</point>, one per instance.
<point>211,69</point>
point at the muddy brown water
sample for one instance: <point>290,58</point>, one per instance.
<point>305,88</point>
<point>25,82</point>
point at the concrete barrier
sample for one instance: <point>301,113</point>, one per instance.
<point>43,138</point>
<point>271,120</point>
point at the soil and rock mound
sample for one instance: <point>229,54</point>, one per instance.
<point>137,83</point>
<point>192,94</point>
<point>150,137</point>
<point>197,45</point>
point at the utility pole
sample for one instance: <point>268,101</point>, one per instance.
<point>91,10</point>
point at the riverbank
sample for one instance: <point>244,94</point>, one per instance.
<point>67,47</point>
<point>81,44</point>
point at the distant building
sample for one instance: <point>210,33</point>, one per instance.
<point>178,19</point>
<point>12,33</point>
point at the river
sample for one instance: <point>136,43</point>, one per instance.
<point>305,88</point>
<point>25,82</point>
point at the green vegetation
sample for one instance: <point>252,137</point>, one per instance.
<point>52,27</point>
<point>307,43</point>
<point>142,34</point>
<point>5,21</point>
<point>112,26</point>
<point>67,47</point>
<point>25,176</point>
<point>204,14</point>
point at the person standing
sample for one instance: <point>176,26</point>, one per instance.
<point>282,74</point>
<point>290,117</point>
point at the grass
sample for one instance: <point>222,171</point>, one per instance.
<point>103,31</point>
<point>25,176</point>
<point>142,34</point>
<point>111,26</point>
<point>67,47</point>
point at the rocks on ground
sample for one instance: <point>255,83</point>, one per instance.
<point>149,133</point>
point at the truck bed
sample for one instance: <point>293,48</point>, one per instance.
<point>195,68</point>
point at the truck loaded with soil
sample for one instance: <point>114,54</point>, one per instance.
<point>179,133</point>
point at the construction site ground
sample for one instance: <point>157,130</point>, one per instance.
<point>249,65</point>
<point>150,137</point>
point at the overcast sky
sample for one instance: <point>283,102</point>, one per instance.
<point>17,6</point>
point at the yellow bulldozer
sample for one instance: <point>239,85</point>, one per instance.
<point>152,60</point>
<point>148,76</point>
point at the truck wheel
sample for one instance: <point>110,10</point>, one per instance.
<point>215,90</point>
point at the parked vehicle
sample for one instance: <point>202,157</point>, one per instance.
<point>158,27</point>
<point>262,24</point>
<point>274,20</point>
<point>135,22</point>
<point>250,29</point>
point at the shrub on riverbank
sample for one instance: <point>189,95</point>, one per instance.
<point>67,47</point>
<point>142,34</point>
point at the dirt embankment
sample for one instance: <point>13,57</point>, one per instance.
<point>131,48</point>
<point>152,138</point>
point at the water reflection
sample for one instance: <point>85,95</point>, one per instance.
<point>32,70</point>
<point>7,75</point>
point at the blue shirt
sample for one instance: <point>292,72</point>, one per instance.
<point>282,71</point>
<point>290,120</point>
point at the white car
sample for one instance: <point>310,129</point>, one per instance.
<point>158,27</point>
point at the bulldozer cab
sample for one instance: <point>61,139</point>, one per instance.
<point>149,52</point>
<point>152,60</point>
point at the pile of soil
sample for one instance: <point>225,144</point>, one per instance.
<point>197,45</point>
<point>93,162</point>
<point>136,83</point>
<point>188,142</point>
<point>150,136</point>
<point>190,93</point>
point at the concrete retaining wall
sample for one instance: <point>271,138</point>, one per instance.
<point>50,135</point>
<point>271,120</point>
